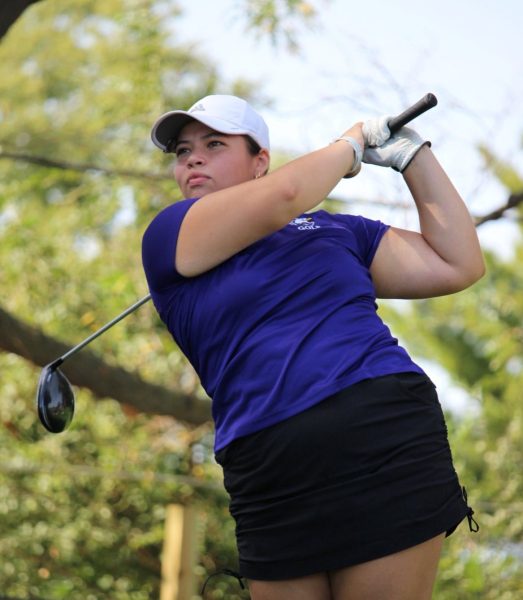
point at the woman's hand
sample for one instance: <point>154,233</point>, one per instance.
<point>386,150</point>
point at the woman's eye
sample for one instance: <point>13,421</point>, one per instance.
<point>181,151</point>
<point>215,144</point>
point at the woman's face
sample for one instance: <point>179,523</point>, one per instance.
<point>208,161</point>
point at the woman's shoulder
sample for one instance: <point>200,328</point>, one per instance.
<point>178,207</point>
<point>169,215</point>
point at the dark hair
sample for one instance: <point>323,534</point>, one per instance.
<point>252,146</point>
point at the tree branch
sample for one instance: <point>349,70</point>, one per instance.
<point>10,11</point>
<point>42,161</point>
<point>513,201</point>
<point>104,380</point>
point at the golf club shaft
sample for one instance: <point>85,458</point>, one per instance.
<point>418,108</point>
<point>103,329</point>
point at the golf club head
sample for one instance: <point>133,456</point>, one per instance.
<point>54,399</point>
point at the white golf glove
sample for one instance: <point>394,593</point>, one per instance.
<point>385,151</point>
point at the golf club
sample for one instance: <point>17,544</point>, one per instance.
<point>423,104</point>
<point>54,395</point>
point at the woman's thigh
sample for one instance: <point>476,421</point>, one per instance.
<point>312,587</point>
<point>405,575</point>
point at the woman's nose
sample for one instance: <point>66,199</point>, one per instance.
<point>196,158</point>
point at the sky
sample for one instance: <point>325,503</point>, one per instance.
<point>362,60</point>
<point>365,59</point>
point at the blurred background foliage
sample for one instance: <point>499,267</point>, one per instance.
<point>82,514</point>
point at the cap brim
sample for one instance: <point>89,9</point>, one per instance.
<point>167,128</point>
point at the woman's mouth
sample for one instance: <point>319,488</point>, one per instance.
<point>197,179</point>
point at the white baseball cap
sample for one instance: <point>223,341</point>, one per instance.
<point>226,114</point>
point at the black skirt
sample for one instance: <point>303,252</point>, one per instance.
<point>364,473</point>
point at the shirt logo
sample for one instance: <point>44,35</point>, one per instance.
<point>304,223</point>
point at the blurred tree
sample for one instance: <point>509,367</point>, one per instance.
<point>73,94</point>
<point>81,515</point>
<point>279,19</point>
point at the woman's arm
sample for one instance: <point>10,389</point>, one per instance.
<point>446,256</point>
<point>225,222</point>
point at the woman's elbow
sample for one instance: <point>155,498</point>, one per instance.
<point>478,269</point>
<point>473,273</point>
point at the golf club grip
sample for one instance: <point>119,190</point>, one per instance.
<point>428,101</point>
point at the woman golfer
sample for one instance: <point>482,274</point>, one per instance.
<point>332,440</point>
